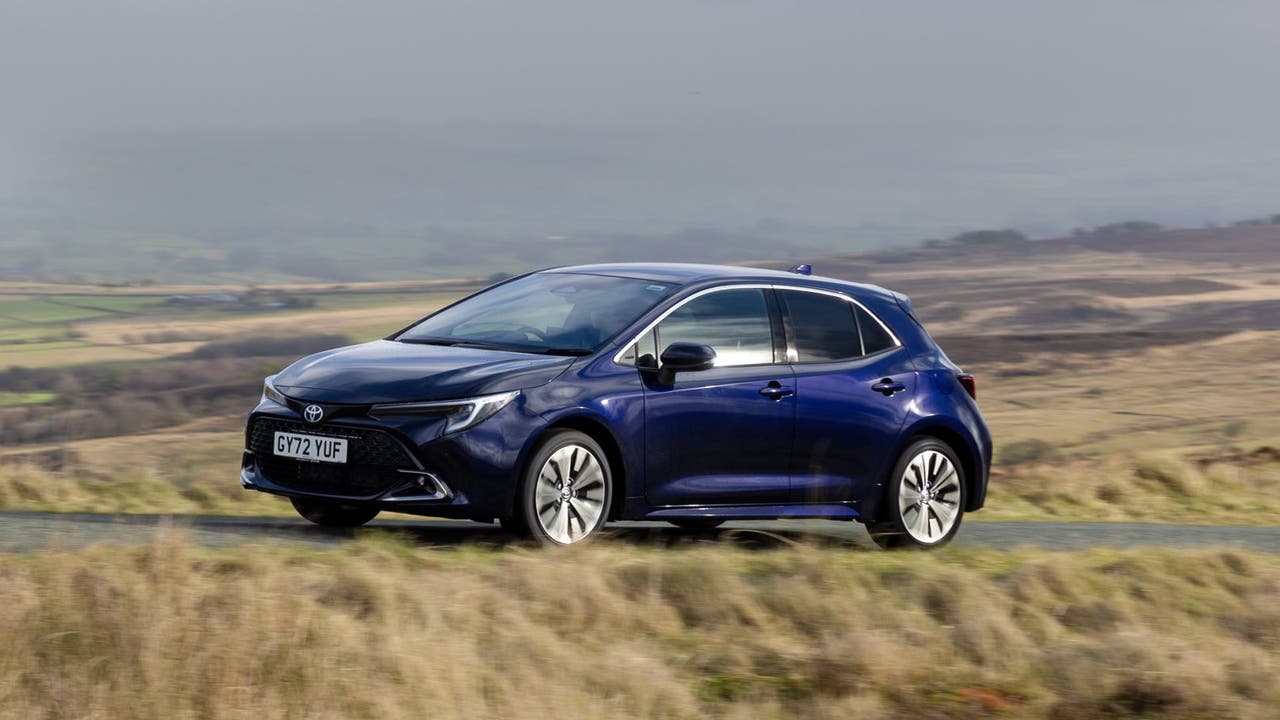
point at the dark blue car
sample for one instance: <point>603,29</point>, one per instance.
<point>561,399</point>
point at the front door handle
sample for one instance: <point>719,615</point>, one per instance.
<point>888,386</point>
<point>775,391</point>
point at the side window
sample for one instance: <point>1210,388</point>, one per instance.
<point>825,327</point>
<point>874,337</point>
<point>735,323</point>
<point>642,353</point>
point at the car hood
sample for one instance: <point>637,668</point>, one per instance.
<point>387,371</point>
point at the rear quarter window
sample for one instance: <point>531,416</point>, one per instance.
<point>875,337</point>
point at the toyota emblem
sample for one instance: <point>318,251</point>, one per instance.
<point>313,414</point>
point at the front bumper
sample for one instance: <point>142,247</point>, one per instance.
<point>401,464</point>
<point>405,486</point>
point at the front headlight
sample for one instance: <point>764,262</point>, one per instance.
<point>270,392</point>
<point>460,414</point>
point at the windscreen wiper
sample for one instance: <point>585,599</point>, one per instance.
<point>489,346</point>
<point>461,342</point>
<point>446,342</point>
<point>571,352</point>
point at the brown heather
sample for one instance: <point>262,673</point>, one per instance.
<point>381,629</point>
<point>139,474</point>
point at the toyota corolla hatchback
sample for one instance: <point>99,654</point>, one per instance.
<point>557,401</point>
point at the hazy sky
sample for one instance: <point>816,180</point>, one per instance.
<point>574,114</point>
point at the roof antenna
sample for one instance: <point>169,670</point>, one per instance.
<point>802,269</point>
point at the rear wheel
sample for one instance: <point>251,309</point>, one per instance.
<point>924,502</point>
<point>697,523</point>
<point>331,514</point>
<point>567,489</point>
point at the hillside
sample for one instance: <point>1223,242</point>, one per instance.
<point>1088,294</point>
<point>1110,370</point>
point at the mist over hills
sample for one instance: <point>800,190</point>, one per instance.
<point>274,139</point>
<point>357,204</point>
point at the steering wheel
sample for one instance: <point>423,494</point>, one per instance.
<point>504,329</point>
<point>533,331</point>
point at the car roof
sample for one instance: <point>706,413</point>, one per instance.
<point>676,273</point>
<point>689,273</point>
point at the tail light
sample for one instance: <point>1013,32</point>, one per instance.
<point>970,385</point>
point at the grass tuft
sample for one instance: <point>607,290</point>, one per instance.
<point>382,629</point>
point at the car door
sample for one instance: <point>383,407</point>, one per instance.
<point>854,385</point>
<point>720,436</point>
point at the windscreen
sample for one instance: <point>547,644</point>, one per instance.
<point>560,313</point>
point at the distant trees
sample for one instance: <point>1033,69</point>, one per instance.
<point>979,237</point>
<point>1128,226</point>
<point>1264,220</point>
<point>269,346</point>
<point>109,399</point>
<point>100,399</point>
<point>989,237</point>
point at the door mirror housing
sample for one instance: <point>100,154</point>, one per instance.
<point>685,357</point>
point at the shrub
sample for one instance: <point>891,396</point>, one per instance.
<point>269,346</point>
<point>1021,452</point>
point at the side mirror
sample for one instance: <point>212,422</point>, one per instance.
<point>685,357</point>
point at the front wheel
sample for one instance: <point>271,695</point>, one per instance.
<point>567,489</point>
<point>331,514</point>
<point>924,502</point>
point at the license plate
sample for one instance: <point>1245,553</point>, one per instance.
<point>311,447</point>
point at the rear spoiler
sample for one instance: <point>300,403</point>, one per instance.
<point>904,302</point>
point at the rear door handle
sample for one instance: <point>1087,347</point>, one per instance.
<point>888,386</point>
<point>775,391</point>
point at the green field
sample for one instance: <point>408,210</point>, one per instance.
<point>51,330</point>
<point>13,399</point>
<point>43,310</point>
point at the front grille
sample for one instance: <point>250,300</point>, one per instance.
<point>373,458</point>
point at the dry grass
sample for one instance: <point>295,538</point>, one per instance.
<point>1163,397</point>
<point>1137,436</point>
<point>1170,487</point>
<point>192,470</point>
<point>189,470</point>
<point>382,630</point>
<point>185,489</point>
<point>40,356</point>
<point>365,322</point>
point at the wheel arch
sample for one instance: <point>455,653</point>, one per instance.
<point>974,476</point>
<point>596,430</point>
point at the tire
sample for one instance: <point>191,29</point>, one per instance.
<point>912,519</point>
<point>566,491</point>
<point>331,514</point>
<point>697,523</point>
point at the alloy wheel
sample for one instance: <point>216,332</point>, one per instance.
<point>929,497</point>
<point>570,494</point>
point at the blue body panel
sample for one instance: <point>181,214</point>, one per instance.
<point>707,445</point>
<point>845,429</point>
<point>383,371</point>
<point>712,438</point>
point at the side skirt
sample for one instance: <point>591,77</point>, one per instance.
<point>753,512</point>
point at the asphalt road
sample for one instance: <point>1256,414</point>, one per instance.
<point>27,532</point>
